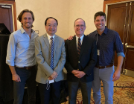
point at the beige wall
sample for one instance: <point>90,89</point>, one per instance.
<point>84,9</point>
<point>65,11</point>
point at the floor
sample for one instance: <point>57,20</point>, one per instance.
<point>123,92</point>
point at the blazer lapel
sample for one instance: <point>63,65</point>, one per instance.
<point>46,40</point>
<point>74,47</point>
<point>56,42</point>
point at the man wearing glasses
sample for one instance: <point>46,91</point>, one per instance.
<point>81,57</point>
<point>50,55</point>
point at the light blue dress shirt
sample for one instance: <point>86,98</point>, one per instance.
<point>21,49</point>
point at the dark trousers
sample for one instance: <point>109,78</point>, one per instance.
<point>27,77</point>
<point>85,89</point>
<point>53,93</point>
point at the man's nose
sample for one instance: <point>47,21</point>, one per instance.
<point>79,27</point>
<point>99,22</point>
<point>51,27</point>
<point>27,20</point>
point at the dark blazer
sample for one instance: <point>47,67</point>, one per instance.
<point>86,62</point>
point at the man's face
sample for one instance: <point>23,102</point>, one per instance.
<point>51,26</point>
<point>79,27</point>
<point>100,23</point>
<point>27,20</point>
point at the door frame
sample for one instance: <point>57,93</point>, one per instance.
<point>13,4</point>
<point>110,2</point>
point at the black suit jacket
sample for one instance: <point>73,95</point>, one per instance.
<point>86,62</point>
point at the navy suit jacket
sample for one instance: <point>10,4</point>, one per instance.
<point>86,62</point>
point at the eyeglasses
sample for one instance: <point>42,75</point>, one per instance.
<point>51,25</point>
<point>80,26</point>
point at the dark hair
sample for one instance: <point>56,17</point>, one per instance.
<point>78,19</point>
<point>24,11</point>
<point>50,18</point>
<point>100,13</point>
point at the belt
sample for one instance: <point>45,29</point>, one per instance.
<point>25,67</point>
<point>102,67</point>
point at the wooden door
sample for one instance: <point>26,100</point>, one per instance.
<point>121,19</point>
<point>6,16</point>
<point>129,45</point>
<point>117,20</point>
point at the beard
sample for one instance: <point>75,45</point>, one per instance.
<point>27,26</point>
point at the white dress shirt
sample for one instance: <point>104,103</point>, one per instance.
<point>81,40</point>
<point>49,38</point>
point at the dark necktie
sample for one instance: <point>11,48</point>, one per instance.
<point>79,46</point>
<point>52,53</point>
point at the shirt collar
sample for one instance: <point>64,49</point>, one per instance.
<point>105,31</point>
<point>23,31</point>
<point>50,36</point>
<point>81,38</point>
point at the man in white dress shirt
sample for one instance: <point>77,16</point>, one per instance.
<point>51,57</point>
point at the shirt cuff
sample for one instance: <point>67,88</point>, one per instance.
<point>10,63</point>
<point>121,54</point>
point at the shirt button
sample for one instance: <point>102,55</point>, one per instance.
<point>78,61</point>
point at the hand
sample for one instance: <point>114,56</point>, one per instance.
<point>116,75</point>
<point>75,72</point>
<point>53,76</point>
<point>50,78</point>
<point>16,78</point>
<point>70,37</point>
<point>78,74</point>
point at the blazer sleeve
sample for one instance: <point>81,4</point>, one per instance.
<point>68,67</point>
<point>40,59</point>
<point>93,59</point>
<point>62,59</point>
